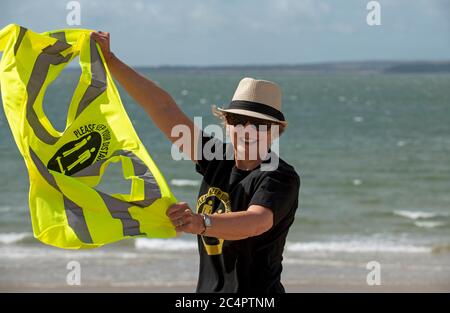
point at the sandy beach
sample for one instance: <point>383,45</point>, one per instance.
<point>176,271</point>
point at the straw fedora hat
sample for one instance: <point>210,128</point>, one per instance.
<point>257,98</point>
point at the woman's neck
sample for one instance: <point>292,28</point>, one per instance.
<point>247,165</point>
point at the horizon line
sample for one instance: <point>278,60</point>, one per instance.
<point>305,64</point>
<point>368,61</point>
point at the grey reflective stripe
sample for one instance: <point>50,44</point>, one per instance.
<point>49,56</point>
<point>22,32</point>
<point>98,81</point>
<point>59,35</point>
<point>119,210</point>
<point>74,213</point>
<point>151,188</point>
<point>55,50</point>
<point>43,170</point>
<point>77,221</point>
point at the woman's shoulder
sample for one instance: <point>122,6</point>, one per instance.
<point>280,170</point>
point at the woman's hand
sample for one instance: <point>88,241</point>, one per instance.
<point>184,219</point>
<point>103,40</point>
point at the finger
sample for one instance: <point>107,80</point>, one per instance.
<point>187,218</point>
<point>171,209</point>
<point>100,35</point>
<point>184,219</point>
<point>177,207</point>
<point>184,228</point>
<point>180,215</point>
<point>176,214</point>
<point>178,222</point>
<point>98,38</point>
<point>176,218</point>
<point>179,229</point>
<point>186,215</point>
<point>95,35</point>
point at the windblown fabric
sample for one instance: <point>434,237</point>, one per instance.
<point>67,210</point>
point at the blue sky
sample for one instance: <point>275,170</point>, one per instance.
<point>224,32</point>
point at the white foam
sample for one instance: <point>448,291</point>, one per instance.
<point>428,224</point>
<point>351,246</point>
<point>415,215</point>
<point>184,182</point>
<point>45,252</point>
<point>358,119</point>
<point>165,244</point>
<point>355,247</point>
<point>174,245</point>
<point>9,238</point>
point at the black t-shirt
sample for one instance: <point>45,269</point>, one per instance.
<point>252,264</point>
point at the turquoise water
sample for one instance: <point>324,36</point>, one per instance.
<point>372,150</point>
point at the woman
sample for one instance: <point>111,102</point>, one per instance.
<point>243,211</point>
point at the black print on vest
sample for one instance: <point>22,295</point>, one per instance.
<point>77,154</point>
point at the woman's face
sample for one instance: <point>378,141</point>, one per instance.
<point>250,142</point>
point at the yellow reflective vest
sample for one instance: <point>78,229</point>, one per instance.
<point>65,168</point>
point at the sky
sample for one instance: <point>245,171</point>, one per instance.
<point>238,32</point>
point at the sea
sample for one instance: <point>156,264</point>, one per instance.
<point>372,150</point>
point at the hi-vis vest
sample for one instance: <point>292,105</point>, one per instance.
<point>66,209</point>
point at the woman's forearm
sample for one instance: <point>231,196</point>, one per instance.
<point>238,225</point>
<point>159,105</point>
<point>143,90</point>
<point>229,226</point>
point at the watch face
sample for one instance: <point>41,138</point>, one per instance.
<point>207,221</point>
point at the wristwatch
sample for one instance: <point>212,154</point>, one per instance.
<point>206,222</point>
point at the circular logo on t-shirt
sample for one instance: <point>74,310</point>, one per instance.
<point>215,201</point>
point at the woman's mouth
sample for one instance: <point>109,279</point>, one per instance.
<point>247,140</point>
